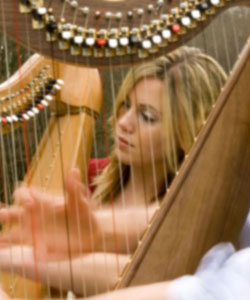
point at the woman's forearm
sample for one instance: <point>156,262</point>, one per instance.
<point>121,229</point>
<point>157,291</point>
<point>86,275</point>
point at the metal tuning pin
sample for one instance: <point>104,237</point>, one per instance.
<point>97,14</point>
<point>143,40</point>
<point>176,26</point>
<point>60,82</point>
<point>150,8</point>
<point>89,42</point>
<point>186,22</point>
<point>206,9</point>
<point>135,40</point>
<point>101,42</point>
<point>77,41</point>
<point>195,14</point>
<point>217,3</point>
<point>165,31</point>
<point>140,12</point>
<point>118,16</point>
<point>186,19</point>
<point>85,10</point>
<point>108,15</point>
<point>51,27</point>
<point>123,40</point>
<point>64,36</point>
<point>130,14</point>
<point>39,3</point>
<point>156,36</point>
<point>74,4</point>
<point>113,43</point>
<point>25,6</point>
<point>39,17</point>
<point>146,43</point>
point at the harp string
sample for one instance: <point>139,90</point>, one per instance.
<point>34,133</point>
<point>165,171</point>
<point>93,256</point>
<point>29,182</point>
<point>112,195</point>
<point>127,203</point>
<point>124,200</point>
<point>12,129</point>
<point>3,153</point>
<point>154,199</point>
<point>123,204</point>
<point>101,207</point>
<point>146,202</point>
<point>59,131</point>
<point>4,174</point>
<point>111,191</point>
<point>139,141</point>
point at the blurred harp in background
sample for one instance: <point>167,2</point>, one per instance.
<point>208,199</point>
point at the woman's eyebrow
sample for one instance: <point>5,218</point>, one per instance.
<point>149,107</point>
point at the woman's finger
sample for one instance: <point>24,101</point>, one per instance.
<point>9,238</point>
<point>76,191</point>
<point>72,182</point>
<point>22,195</point>
<point>3,296</point>
<point>12,214</point>
<point>73,178</point>
<point>41,199</point>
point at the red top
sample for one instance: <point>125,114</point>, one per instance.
<point>96,165</point>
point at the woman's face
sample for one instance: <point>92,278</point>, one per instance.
<point>139,131</point>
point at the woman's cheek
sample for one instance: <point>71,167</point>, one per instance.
<point>152,146</point>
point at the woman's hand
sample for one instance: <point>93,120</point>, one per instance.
<point>56,227</point>
<point>4,296</point>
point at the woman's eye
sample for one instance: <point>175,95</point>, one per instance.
<point>148,117</point>
<point>124,106</point>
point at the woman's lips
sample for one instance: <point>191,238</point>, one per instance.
<point>122,143</point>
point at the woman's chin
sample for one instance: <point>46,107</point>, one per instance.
<point>123,157</point>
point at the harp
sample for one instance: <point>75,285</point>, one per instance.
<point>52,30</point>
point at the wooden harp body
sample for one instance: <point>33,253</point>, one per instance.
<point>209,199</point>
<point>66,142</point>
<point>200,182</point>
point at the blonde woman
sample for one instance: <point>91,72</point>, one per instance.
<point>159,110</point>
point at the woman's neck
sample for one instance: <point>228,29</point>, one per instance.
<point>145,182</point>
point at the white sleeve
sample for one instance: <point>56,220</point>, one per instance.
<point>223,274</point>
<point>244,239</point>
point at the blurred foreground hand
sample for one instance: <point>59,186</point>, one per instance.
<point>56,227</point>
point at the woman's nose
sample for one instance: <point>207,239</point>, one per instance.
<point>127,121</point>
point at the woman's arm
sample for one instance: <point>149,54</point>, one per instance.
<point>121,229</point>
<point>157,291</point>
<point>86,275</point>
<point>222,274</point>
<point>54,225</point>
<point>148,292</point>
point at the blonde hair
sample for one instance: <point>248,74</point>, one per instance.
<point>192,82</point>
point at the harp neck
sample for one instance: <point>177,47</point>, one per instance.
<point>92,42</point>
